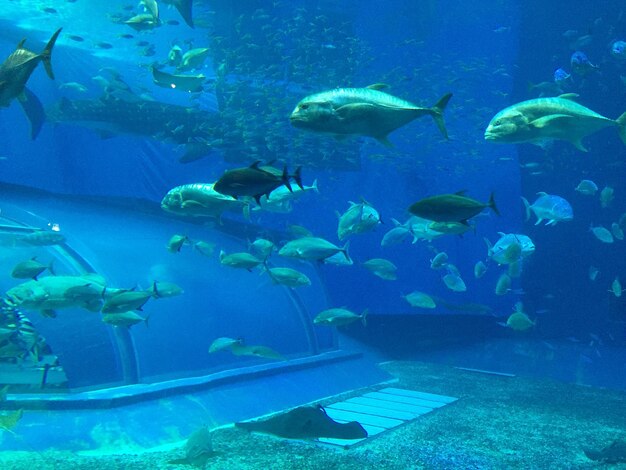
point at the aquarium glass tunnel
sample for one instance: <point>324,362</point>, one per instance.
<point>354,234</point>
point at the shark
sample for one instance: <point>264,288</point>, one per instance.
<point>110,116</point>
<point>14,74</point>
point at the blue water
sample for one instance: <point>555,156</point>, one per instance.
<point>488,55</point>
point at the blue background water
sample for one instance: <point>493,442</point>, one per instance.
<point>486,55</point>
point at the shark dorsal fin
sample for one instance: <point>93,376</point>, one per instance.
<point>20,45</point>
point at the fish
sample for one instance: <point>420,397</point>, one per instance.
<point>193,58</point>
<point>14,74</point>
<point>503,285</point>
<point>288,277</point>
<point>176,242</point>
<point>339,317</point>
<point>200,200</point>
<point>143,22</point>
<point>42,238</point>
<point>617,231</point>
<point>184,8</point>
<point>450,228</point>
<point>240,349</point>
<point>305,422</point>
<point>254,181</point>
<point>162,289</point>
<point>396,235</point>
<point>362,112</point>
<point>501,252</point>
<point>312,248</point>
<point>602,234</point>
<point>420,299</point>
<point>30,269</point>
<point>359,218</point>
<point>262,248</point>
<point>151,7</point>
<point>593,273</point>
<point>189,83</point>
<point>539,120</point>
<point>240,260</point>
<point>611,454</point>
<point>616,287</point>
<point>606,196</point>
<point>53,292</point>
<point>123,319</point>
<point>382,268</point>
<point>480,269</point>
<point>549,207</point>
<point>451,207</point>
<point>454,282</point>
<point>127,300</point>
<point>518,320</point>
<point>618,50</point>
<point>581,64</point>
<point>223,343</point>
<point>279,200</point>
<point>587,187</point>
<point>439,261</point>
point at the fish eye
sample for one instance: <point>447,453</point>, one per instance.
<point>304,106</point>
<point>497,123</point>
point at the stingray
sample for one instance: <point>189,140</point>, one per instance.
<point>613,453</point>
<point>306,422</point>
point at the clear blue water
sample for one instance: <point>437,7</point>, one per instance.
<point>265,57</point>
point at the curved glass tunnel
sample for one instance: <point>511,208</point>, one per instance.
<point>61,355</point>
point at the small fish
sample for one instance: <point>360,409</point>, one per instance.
<point>239,349</point>
<point>602,234</point>
<point>382,268</point>
<point>126,300</point>
<point>204,248</point>
<point>288,277</point>
<point>580,63</point>
<point>103,45</point>
<point>223,343</point>
<point>617,231</point>
<point>124,319</point>
<point>339,317</point>
<point>480,269</point>
<point>50,10</point>
<point>30,269</point>
<point>241,260</point>
<point>587,187</point>
<point>76,38</point>
<point>606,196</point>
<point>439,261</point>
<point>454,282</point>
<point>593,273</point>
<point>176,242</point>
<point>419,299</point>
<point>616,287</point>
<point>161,289</point>
<point>503,285</point>
<point>518,320</point>
<point>262,248</point>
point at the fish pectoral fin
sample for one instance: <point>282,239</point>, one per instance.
<point>578,144</point>
<point>551,120</point>
<point>354,110</point>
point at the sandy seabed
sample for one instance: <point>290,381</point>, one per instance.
<point>497,423</point>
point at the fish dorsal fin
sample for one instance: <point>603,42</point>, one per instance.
<point>541,193</point>
<point>502,234</point>
<point>569,96</point>
<point>20,45</point>
<point>377,86</point>
<point>461,192</point>
<point>256,164</point>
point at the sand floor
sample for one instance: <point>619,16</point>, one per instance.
<point>498,423</point>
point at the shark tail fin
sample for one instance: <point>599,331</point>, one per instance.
<point>46,55</point>
<point>436,112</point>
<point>621,122</point>
<point>184,8</point>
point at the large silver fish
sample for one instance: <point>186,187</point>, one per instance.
<point>15,72</point>
<point>362,112</point>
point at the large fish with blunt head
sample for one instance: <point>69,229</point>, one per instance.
<point>362,112</point>
<point>15,72</point>
<point>542,119</point>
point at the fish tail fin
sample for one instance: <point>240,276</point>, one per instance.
<point>492,204</point>
<point>46,55</point>
<point>364,315</point>
<point>621,122</point>
<point>344,250</point>
<point>436,112</point>
<point>314,186</point>
<point>527,207</point>
<point>285,180</point>
<point>51,268</point>
<point>297,176</point>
